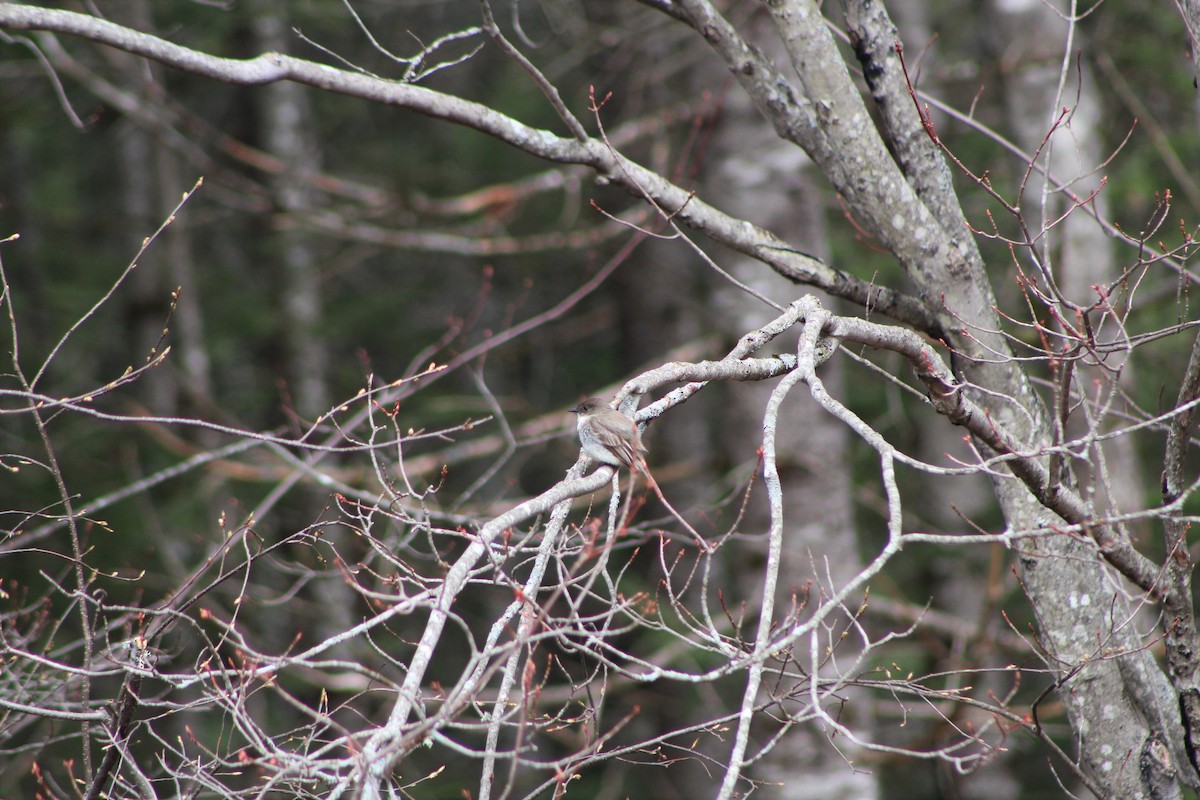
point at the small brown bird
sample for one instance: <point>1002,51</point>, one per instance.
<point>608,436</point>
<point>612,438</point>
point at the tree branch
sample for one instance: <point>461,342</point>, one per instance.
<point>270,67</point>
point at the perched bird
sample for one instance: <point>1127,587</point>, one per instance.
<point>608,436</point>
<point>612,438</point>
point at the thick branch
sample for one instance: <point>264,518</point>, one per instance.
<point>874,37</point>
<point>950,399</point>
<point>1182,652</point>
<point>270,67</point>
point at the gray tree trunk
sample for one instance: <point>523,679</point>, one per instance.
<point>287,120</point>
<point>770,182</point>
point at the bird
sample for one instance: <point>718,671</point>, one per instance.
<point>608,436</point>
<point>611,438</point>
